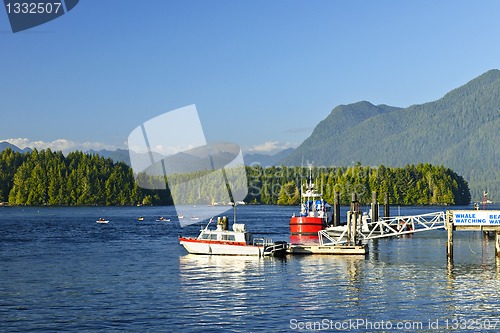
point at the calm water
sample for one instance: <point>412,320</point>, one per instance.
<point>61,271</point>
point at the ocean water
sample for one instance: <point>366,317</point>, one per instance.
<point>62,271</point>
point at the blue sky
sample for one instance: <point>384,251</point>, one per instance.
<point>261,73</point>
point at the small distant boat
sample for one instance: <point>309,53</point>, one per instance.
<point>101,220</point>
<point>180,216</point>
<point>141,218</point>
<point>238,241</point>
<point>162,219</point>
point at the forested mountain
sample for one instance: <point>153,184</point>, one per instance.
<point>460,131</point>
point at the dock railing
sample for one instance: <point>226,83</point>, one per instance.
<point>388,227</point>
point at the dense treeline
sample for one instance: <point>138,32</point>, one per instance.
<point>49,178</point>
<point>423,184</point>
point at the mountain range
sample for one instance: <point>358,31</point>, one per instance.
<point>461,131</point>
<point>122,155</point>
<point>266,160</point>
<point>4,145</point>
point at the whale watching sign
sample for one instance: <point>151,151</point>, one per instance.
<point>476,217</point>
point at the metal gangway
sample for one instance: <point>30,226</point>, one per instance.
<point>384,227</point>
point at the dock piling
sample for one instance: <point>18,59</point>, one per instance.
<point>497,244</point>
<point>353,215</point>
<point>449,242</point>
<point>386,205</point>
<point>336,209</point>
<point>374,207</point>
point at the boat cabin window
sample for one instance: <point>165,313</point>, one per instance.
<point>209,236</point>
<point>228,237</point>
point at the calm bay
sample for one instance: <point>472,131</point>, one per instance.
<point>62,271</point>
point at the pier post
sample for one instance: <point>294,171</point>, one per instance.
<point>448,224</point>
<point>336,208</point>
<point>386,205</point>
<point>350,216</point>
<point>352,220</point>
<point>497,244</point>
<point>449,243</point>
<point>374,216</point>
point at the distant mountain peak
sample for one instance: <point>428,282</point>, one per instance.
<point>456,131</point>
<point>5,145</point>
<point>266,160</point>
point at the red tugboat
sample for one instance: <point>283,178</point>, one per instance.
<point>315,214</point>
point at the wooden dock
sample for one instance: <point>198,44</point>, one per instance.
<point>328,249</point>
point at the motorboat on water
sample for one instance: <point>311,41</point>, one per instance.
<point>238,241</point>
<point>101,220</point>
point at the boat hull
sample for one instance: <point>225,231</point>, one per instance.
<point>196,246</point>
<point>306,225</point>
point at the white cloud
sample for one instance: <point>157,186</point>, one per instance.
<point>63,145</point>
<point>270,147</point>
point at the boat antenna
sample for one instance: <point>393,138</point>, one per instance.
<point>211,219</point>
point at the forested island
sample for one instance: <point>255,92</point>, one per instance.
<point>49,178</point>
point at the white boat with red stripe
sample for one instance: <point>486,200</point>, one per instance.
<point>237,242</point>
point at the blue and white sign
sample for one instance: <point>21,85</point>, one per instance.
<point>476,217</point>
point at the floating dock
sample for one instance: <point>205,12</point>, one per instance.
<point>327,249</point>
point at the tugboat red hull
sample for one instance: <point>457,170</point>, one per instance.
<point>306,225</point>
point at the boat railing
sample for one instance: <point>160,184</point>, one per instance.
<point>262,241</point>
<point>275,249</point>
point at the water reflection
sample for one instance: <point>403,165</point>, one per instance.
<point>216,274</point>
<point>473,288</point>
<point>320,281</point>
<point>227,291</point>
